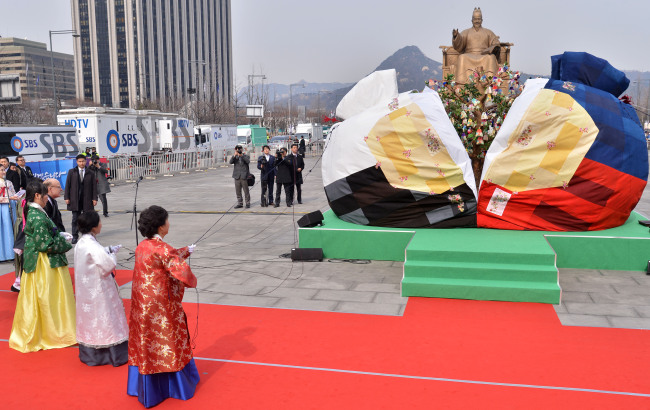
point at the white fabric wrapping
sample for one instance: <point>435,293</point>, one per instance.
<point>101,320</point>
<point>514,117</point>
<point>374,89</point>
<point>347,152</point>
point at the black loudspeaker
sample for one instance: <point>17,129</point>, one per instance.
<point>311,219</point>
<point>647,272</point>
<point>307,254</point>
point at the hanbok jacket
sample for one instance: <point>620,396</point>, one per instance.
<point>159,340</point>
<point>101,321</point>
<point>41,235</point>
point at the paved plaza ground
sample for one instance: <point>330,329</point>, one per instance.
<point>241,256</point>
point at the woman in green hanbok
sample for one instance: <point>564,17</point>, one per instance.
<point>45,311</point>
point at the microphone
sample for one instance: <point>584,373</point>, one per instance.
<point>141,178</point>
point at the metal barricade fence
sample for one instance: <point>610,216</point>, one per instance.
<point>128,168</point>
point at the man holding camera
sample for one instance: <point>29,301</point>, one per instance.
<point>103,186</point>
<point>284,177</point>
<point>240,174</point>
<point>266,164</point>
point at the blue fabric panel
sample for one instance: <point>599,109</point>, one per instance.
<point>7,215</point>
<point>152,389</point>
<point>589,70</point>
<point>556,66</point>
<point>620,142</point>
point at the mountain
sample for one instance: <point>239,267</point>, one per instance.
<point>413,68</point>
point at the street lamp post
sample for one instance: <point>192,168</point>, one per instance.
<point>318,111</point>
<point>290,98</point>
<point>251,78</point>
<point>56,105</point>
<point>191,90</point>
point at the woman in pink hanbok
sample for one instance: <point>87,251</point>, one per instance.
<point>102,331</point>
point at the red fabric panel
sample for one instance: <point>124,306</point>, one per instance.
<point>597,197</point>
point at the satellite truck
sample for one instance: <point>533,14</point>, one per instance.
<point>121,131</point>
<point>215,137</point>
<point>49,150</point>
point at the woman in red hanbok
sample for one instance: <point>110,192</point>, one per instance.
<point>160,356</point>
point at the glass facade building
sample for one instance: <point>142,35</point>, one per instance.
<point>133,51</point>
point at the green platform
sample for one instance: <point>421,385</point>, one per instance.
<point>484,264</point>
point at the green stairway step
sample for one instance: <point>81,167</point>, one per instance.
<point>543,257</point>
<point>480,270</point>
<point>514,291</point>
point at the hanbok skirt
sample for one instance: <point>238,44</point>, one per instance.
<point>152,389</point>
<point>7,219</point>
<point>116,355</point>
<point>45,310</point>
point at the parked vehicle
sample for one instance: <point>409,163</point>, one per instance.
<point>310,132</point>
<point>215,137</point>
<point>280,141</point>
<point>119,131</point>
<point>48,149</point>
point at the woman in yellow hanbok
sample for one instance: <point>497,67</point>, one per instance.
<point>45,311</point>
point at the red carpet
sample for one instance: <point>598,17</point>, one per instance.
<point>494,342</point>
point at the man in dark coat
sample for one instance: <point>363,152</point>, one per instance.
<point>10,174</point>
<point>298,165</point>
<point>25,173</point>
<point>51,207</point>
<point>80,192</point>
<point>240,175</point>
<point>266,164</point>
<point>284,178</point>
<point>301,148</point>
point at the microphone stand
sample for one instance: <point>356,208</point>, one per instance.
<point>134,220</point>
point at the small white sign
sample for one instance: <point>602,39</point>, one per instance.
<point>498,202</point>
<point>255,111</point>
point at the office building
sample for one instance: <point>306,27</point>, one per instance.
<point>31,61</point>
<point>132,51</point>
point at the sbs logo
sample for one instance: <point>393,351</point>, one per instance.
<point>113,141</point>
<point>17,144</point>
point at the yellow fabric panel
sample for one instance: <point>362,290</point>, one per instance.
<point>45,316</point>
<point>566,141</point>
<point>517,181</point>
<point>547,145</point>
<point>399,142</point>
<point>561,99</point>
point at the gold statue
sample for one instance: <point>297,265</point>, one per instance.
<point>478,48</point>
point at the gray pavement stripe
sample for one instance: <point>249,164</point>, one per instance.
<point>441,379</point>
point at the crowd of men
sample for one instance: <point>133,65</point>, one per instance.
<point>277,172</point>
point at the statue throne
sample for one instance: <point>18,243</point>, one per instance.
<point>450,55</point>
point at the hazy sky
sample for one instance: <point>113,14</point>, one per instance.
<point>343,40</point>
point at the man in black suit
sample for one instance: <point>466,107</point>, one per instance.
<point>10,175</point>
<point>298,166</point>
<point>24,172</point>
<point>266,164</point>
<point>80,192</point>
<point>52,208</point>
<point>284,178</point>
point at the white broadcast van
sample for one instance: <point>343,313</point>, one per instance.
<point>120,131</point>
<point>310,132</point>
<point>215,137</point>
<point>38,142</point>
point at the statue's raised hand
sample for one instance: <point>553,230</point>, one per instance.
<point>454,33</point>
